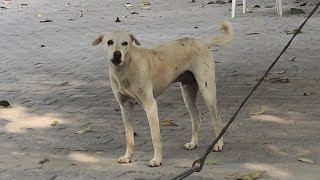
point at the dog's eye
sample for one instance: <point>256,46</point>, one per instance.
<point>110,42</point>
<point>125,43</point>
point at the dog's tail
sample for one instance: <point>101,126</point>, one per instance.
<point>222,40</point>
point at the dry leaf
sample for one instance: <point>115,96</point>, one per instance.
<point>258,112</point>
<point>293,59</point>
<point>296,11</point>
<point>54,123</point>
<point>307,93</point>
<point>85,130</point>
<point>117,20</point>
<point>211,162</point>
<point>292,32</point>
<point>101,136</point>
<point>128,5</point>
<point>231,176</point>
<point>53,177</point>
<point>168,123</point>
<point>279,72</point>
<point>217,2</point>
<point>269,6</point>
<point>64,83</point>
<point>303,4</point>
<point>5,104</point>
<point>306,160</point>
<point>253,33</point>
<point>46,20</point>
<point>251,176</point>
<point>279,80</point>
<point>44,161</point>
<point>146,3</point>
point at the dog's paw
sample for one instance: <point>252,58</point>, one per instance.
<point>218,146</point>
<point>154,163</point>
<point>190,146</point>
<point>124,159</point>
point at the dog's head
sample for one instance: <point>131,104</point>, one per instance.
<point>116,45</point>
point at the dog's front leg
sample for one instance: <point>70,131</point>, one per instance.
<point>126,112</point>
<point>150,106</point>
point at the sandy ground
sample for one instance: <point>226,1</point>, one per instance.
<point>49,71</point>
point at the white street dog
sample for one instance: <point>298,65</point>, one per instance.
<point>141,74</point>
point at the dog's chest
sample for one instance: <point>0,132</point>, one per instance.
<point>127,92</point>
<point>123,87</point>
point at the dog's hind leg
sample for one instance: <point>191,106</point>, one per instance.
<point>205,76</point>
<point>189,93</point>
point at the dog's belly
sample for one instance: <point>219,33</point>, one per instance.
<point>185,78</point>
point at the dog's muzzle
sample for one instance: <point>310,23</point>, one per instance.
<point>116,60</point>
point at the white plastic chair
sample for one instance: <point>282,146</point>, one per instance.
<point>233,9</point>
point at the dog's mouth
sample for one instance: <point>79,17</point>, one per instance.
<point>117,58</point>
<point>116,61</point>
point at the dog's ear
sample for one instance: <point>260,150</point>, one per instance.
<point>135,40</point>
<point>97,40</point>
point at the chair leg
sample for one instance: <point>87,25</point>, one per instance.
<point>279,7</point>
<point>233,9</point>
<point>244,6</point>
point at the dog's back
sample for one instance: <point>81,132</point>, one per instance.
<point>186,48</point>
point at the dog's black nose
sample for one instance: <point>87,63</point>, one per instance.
<point>116,58</point>
<point>117,55</point>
